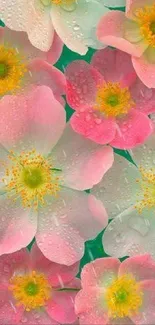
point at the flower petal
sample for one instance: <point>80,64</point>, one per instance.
<point>37,317</point>
<point>12,263</point>
<point>10,313</point>
<point>132,130</point>
<point>58,275</point>
<point>89,308</point>
<point>133,5</point>
<point>76,27</point>
<point>100,272</point>
<point>123,174</point>
<point>114,3</point>
<point>130,234</point>
<point>145,67</point>
<point>93,126</point>
<point>146,314</point>
<point>82,81</point>
<point>17,226</point>
<point>141,267</point>
<point>78,158</point>
<point>143,96</point>
<point>111,31</point>
<point>144,155</point>
<point>24,122</point>
<point>114,65</point>
<point>61,307</point>
<point>63,227</point>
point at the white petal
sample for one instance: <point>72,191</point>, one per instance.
<point>118,188</point>
<point>114,3</point>
<point>130,234</point>
<point>77,28</point>
<point>144,155</point>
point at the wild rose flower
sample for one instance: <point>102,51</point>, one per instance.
<point>128,194</point>
<point>42,181</point>
<point>74,21</point>
<point>33,289</point>
<point>117,293</point>
<point>133,32</point>
<point>21,64</point>
<point>111,103</point>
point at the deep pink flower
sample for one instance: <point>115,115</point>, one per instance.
<point>45,167</point>
<point>134,33</point>
<point>117,293</point>
<point>111,103</point>
<point>21,64</point>
<point>32,289</point>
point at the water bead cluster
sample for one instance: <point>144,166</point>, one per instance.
<point>63,182</point>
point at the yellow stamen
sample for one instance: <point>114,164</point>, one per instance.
<point>31,177</point>
<point>12,70</point>
<point>32,290</point>
<point>123,297</point>
<point>112,100</point>
<point>63,2</point>
<point>146,19</point>
<point>147,187</point>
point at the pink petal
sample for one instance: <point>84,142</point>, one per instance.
<point>11,263</point>
<point>90,307</point>
<point>143,96</point>
<point>43,73</point>
<point>82,80</point>
<point>94,127</point>
<point>61,307</point>
<point>17,226</point>
<point>114,65</point>
<point>145,68</point>
<point>100,272</point>
<point>58,274</point>
<point>146,314</point>
<point>133,5</point>
<point>64,227</point>
<point>10,313</point>
<point>111,30</point>
<point>133,130</point>
<point>78,157</point>
<point>55,51</point>
<point>141,267</point>
<point>23,120</point>
<point>37,317</point>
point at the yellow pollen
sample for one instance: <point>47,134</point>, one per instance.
<point>12,70</point>
<point>31,177</point>
<point>147,187</point>
<point>123,297</point>
<point>63,2</point>
<point>146,19</point>
<point>31,290</point>
<point>112,100</point>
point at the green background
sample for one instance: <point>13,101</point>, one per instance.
<point>93,248</point>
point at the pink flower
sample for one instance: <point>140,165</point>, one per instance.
<point>21,64</point>
<point>134,33</point>
<point>42,179</point>
<point>111,103</point>
<point>74,21</point>
<point>33,289</point>
<point>117,293</point>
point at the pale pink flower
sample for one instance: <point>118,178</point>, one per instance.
<point>74,21</point>
<point>111,103</point>
<point>117,293</point>
<point>42,179</point>
<point>32,289</point>
<point>134,33</point>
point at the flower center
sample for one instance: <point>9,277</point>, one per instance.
<point>123,297</point>
<point>31,177</point>
<point>112,100</point>
<point>63,2</point>
<point>12,70</point>
<point>146,20</point>
<point>147,186</point>
<point>32,290</point>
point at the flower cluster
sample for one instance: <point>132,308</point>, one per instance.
<point>66,181</point>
